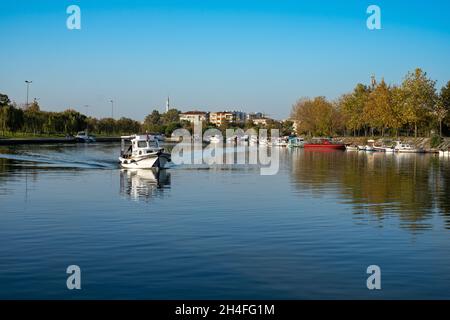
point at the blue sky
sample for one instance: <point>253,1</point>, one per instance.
<point>251,55</point>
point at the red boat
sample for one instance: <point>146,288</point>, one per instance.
<point>325,144</point>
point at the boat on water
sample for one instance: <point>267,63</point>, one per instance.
<point>142,153</point>
<point>243,138</point>
<point>281,142</point>
<point>406,148</point>
<point>296,142</point>
<point>351,147</point>
<point>444,153</point>
<point>215,139</point>
<point>253,140</point>
<point>264,141</point>
<point>324,144</point>
<point>83,136</point>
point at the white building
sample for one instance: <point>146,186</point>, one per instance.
<point>194,116</point>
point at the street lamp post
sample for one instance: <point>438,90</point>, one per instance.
<point>112,108</point>
<point>28,88</point>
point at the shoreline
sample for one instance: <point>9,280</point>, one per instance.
<point>20,141</point>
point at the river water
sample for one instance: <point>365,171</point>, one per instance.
<point>308,232</point>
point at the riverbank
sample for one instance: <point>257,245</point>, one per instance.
<point>18,141</point>
<point>424,143</point>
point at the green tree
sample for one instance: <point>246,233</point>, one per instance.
<point>352,106</point>
<point>444,101</point>
<point>419,96</point>
<point>314,116</point>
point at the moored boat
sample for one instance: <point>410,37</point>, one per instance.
<point>142,153</point>
<point>407,148</point>
<point>296,142</point>
<point>444,153</point>
<point>351,147</point>
<point>83,136</point>
<point>280,142</point>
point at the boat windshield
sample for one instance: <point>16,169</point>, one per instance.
<point>142,144</point>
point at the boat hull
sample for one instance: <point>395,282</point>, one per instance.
<point>157,161</point>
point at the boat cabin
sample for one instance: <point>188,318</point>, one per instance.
<point>138,145</point>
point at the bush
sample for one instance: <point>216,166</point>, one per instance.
<point>435,141</point>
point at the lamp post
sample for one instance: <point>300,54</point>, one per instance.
<point>28,88</point>
<point>112,108</point>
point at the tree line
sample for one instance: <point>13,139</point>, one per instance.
<point>31,120</point>
<point>414,107</point>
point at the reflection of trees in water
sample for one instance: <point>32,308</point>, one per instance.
<point>408,185</point>
<point>443,190</point>
<point>142,184</point>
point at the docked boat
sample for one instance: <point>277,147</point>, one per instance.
<point>215,139</point>
<point>325,144</point>
<point>280,142</point>
<point>444,153</point>
<point>83,136</point>
<point>253,140</point>
<point>142,153</point>
<point>264,141</point>
<point>296,142</point>
<point>369,148</point>
<point>351,148</point>
<point>406,148</point>
<point>243,138</point>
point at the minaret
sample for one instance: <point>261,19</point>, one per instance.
<point>373,81</point>
<point>167,104</point>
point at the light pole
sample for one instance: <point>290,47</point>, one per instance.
<point>87,109</point>
<point>112,108</point>
<point>28,88</point>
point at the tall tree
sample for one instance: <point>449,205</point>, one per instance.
<point>352,106</point>
<point>444,99</point>
<point>314,116</point>
<point>419,94</point>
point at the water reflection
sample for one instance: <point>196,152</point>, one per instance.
<point>412,186</point>
<point>140,184</point>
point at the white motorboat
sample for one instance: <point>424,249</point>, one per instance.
<point>280,142</point>
<point>406,148</point>
<point>243,138</point>
<point>361,148</point>
<point>142,153</point>
<point>215,139</point>
<point>231,139</point>
<point>83,136</point>
<point>389,149</point>
<point>351,148</point>
<point>444,153</point>
<point>296,142</point>
<point>264,141</point>
<point>253,140</point>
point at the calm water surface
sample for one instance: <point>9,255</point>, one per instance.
<point>223,232</point>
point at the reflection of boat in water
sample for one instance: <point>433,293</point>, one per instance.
<point>143,184</point>
<point>325,144</point>
<point>142,153</point>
